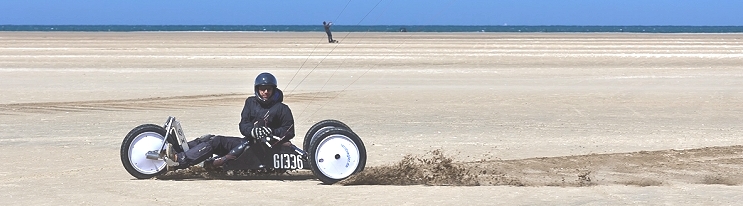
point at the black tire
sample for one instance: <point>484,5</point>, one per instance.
<point>146,136</point>
<point>328,165</point>
<point>315,129</point>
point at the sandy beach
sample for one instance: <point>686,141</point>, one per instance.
<point>532,118</point>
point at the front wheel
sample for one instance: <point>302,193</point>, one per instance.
<point>136,144</point>
<point>336,154</point>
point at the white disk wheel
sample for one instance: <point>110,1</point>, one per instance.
<point>336,154</point>
<point>136,144</point>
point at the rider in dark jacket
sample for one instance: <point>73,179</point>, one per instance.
<point>264,116</point>
<point>269,111</point>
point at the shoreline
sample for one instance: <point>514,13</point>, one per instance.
<point>387,28</point>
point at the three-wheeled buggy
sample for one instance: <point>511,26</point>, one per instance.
<point>331,150</point>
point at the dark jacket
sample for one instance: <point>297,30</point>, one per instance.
<point>277,115</point>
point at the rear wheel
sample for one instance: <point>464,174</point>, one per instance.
<point>321,125</point>
<point>136,144</point>
<point>336,154</point>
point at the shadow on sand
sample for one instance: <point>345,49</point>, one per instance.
<point>198,173</point>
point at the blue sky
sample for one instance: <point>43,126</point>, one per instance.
<point>373,12</point>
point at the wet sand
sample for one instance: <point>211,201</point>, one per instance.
<point>568,118</point>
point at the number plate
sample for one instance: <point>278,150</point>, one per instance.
<point>287,161</point>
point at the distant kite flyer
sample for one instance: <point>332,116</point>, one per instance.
<point>327,25</point>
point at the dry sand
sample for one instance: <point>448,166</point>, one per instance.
<point>568,118</point>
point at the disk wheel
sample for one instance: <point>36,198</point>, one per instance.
<point>336,154</point>
<point>316,129</point>
<point>136,144</point>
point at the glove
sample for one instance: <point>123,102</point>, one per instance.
<point>261,133</point>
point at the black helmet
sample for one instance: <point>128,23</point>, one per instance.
<point>265,78</point>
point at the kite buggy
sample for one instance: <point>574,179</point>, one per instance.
<point>331,150</point>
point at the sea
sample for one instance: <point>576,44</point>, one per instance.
<point>373,28</point>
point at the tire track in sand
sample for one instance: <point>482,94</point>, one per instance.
<point>155,103</point>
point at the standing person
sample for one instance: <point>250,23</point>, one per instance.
<point>263,116</point>
<point>327,31</point>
